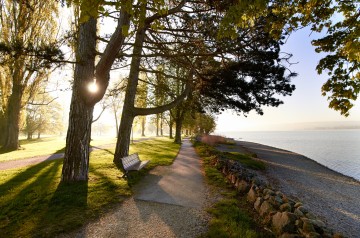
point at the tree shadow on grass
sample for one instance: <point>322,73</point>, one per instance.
<point>66,210</point>
<point>23,197</point>
<point>94,148</point>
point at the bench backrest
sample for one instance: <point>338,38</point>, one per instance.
<point>130,160</point>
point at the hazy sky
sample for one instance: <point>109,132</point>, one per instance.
<point>305,105</point>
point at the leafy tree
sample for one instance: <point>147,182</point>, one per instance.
<point>43,115</point>
<point>341,42</point>
<point>343,60</point>
<point>27,49</point>
<point>76,159</point>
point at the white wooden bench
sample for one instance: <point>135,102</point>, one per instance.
<point>132,162</point>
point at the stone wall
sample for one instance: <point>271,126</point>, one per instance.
<point>285,217</point>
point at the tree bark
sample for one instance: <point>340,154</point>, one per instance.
<point>178,126</point>
<point>129,110</point>
<point>157,124</point>
<point>76,159</point>
<point>13,119</point>
<point>143,122</point>
<point>171,122</point>
<point>123,141</point>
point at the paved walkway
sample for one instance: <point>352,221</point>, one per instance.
<point>169,202</point>
<point>333,197</point>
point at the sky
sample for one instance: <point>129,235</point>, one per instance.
<point>306,106</point>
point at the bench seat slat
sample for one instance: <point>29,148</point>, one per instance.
<point>132,162</point>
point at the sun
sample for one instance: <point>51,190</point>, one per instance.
<point>92,87</point>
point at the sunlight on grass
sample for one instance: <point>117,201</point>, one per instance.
<point>47,146</point>
<point>34,203</point>
<point>35,147</point>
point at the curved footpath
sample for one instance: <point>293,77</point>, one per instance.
<point>169,202</point>
<point>331,196</point>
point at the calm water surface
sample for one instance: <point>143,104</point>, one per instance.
<point>336,149</point>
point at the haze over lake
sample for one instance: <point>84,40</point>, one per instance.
<point>336,149</point>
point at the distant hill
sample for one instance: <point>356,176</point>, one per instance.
<point>330,125</point>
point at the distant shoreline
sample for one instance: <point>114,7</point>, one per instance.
<point>334,149</point>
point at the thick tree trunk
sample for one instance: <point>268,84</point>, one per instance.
<point>123,141</point>
<point>39,135</point>
<point>76,159</point>
<point>13,119</point>
<point>171,122</point>
<point>178,124</point>
<point>29,135</point>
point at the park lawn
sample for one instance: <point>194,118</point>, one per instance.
<point>46,146</point>
<point>34,203</point>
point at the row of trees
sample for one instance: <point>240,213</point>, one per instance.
<point>189,56</point>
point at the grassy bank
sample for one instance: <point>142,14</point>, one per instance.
<point>231,216</point>
<point>34,203</point>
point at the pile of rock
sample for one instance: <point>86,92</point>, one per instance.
<point>283,216</point>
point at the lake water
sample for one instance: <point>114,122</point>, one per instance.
<point>336,149</point>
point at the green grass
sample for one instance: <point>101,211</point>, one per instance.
<point>33,202</point>
<point>246,160</point>
<point>231,218</point>
<point>45,146</point>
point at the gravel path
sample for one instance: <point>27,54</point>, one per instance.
<point>331,196</point>
<point>169,202</point>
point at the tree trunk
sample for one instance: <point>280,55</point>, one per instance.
<point>13,119</point>
<point>76,159</point>
<point>123,141</point>
<point>171,122</point>
<point>129,111</point>
<point>178,124</point>
<point>29,135</point>
<point>39,135</point>
<point>143,122</point>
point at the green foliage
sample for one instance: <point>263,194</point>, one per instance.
<point>43,115</point>
<point>341,42</point>
<point>342,63</point>
<point>33,202</point>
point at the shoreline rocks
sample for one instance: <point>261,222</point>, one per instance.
<point>283,216</point>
